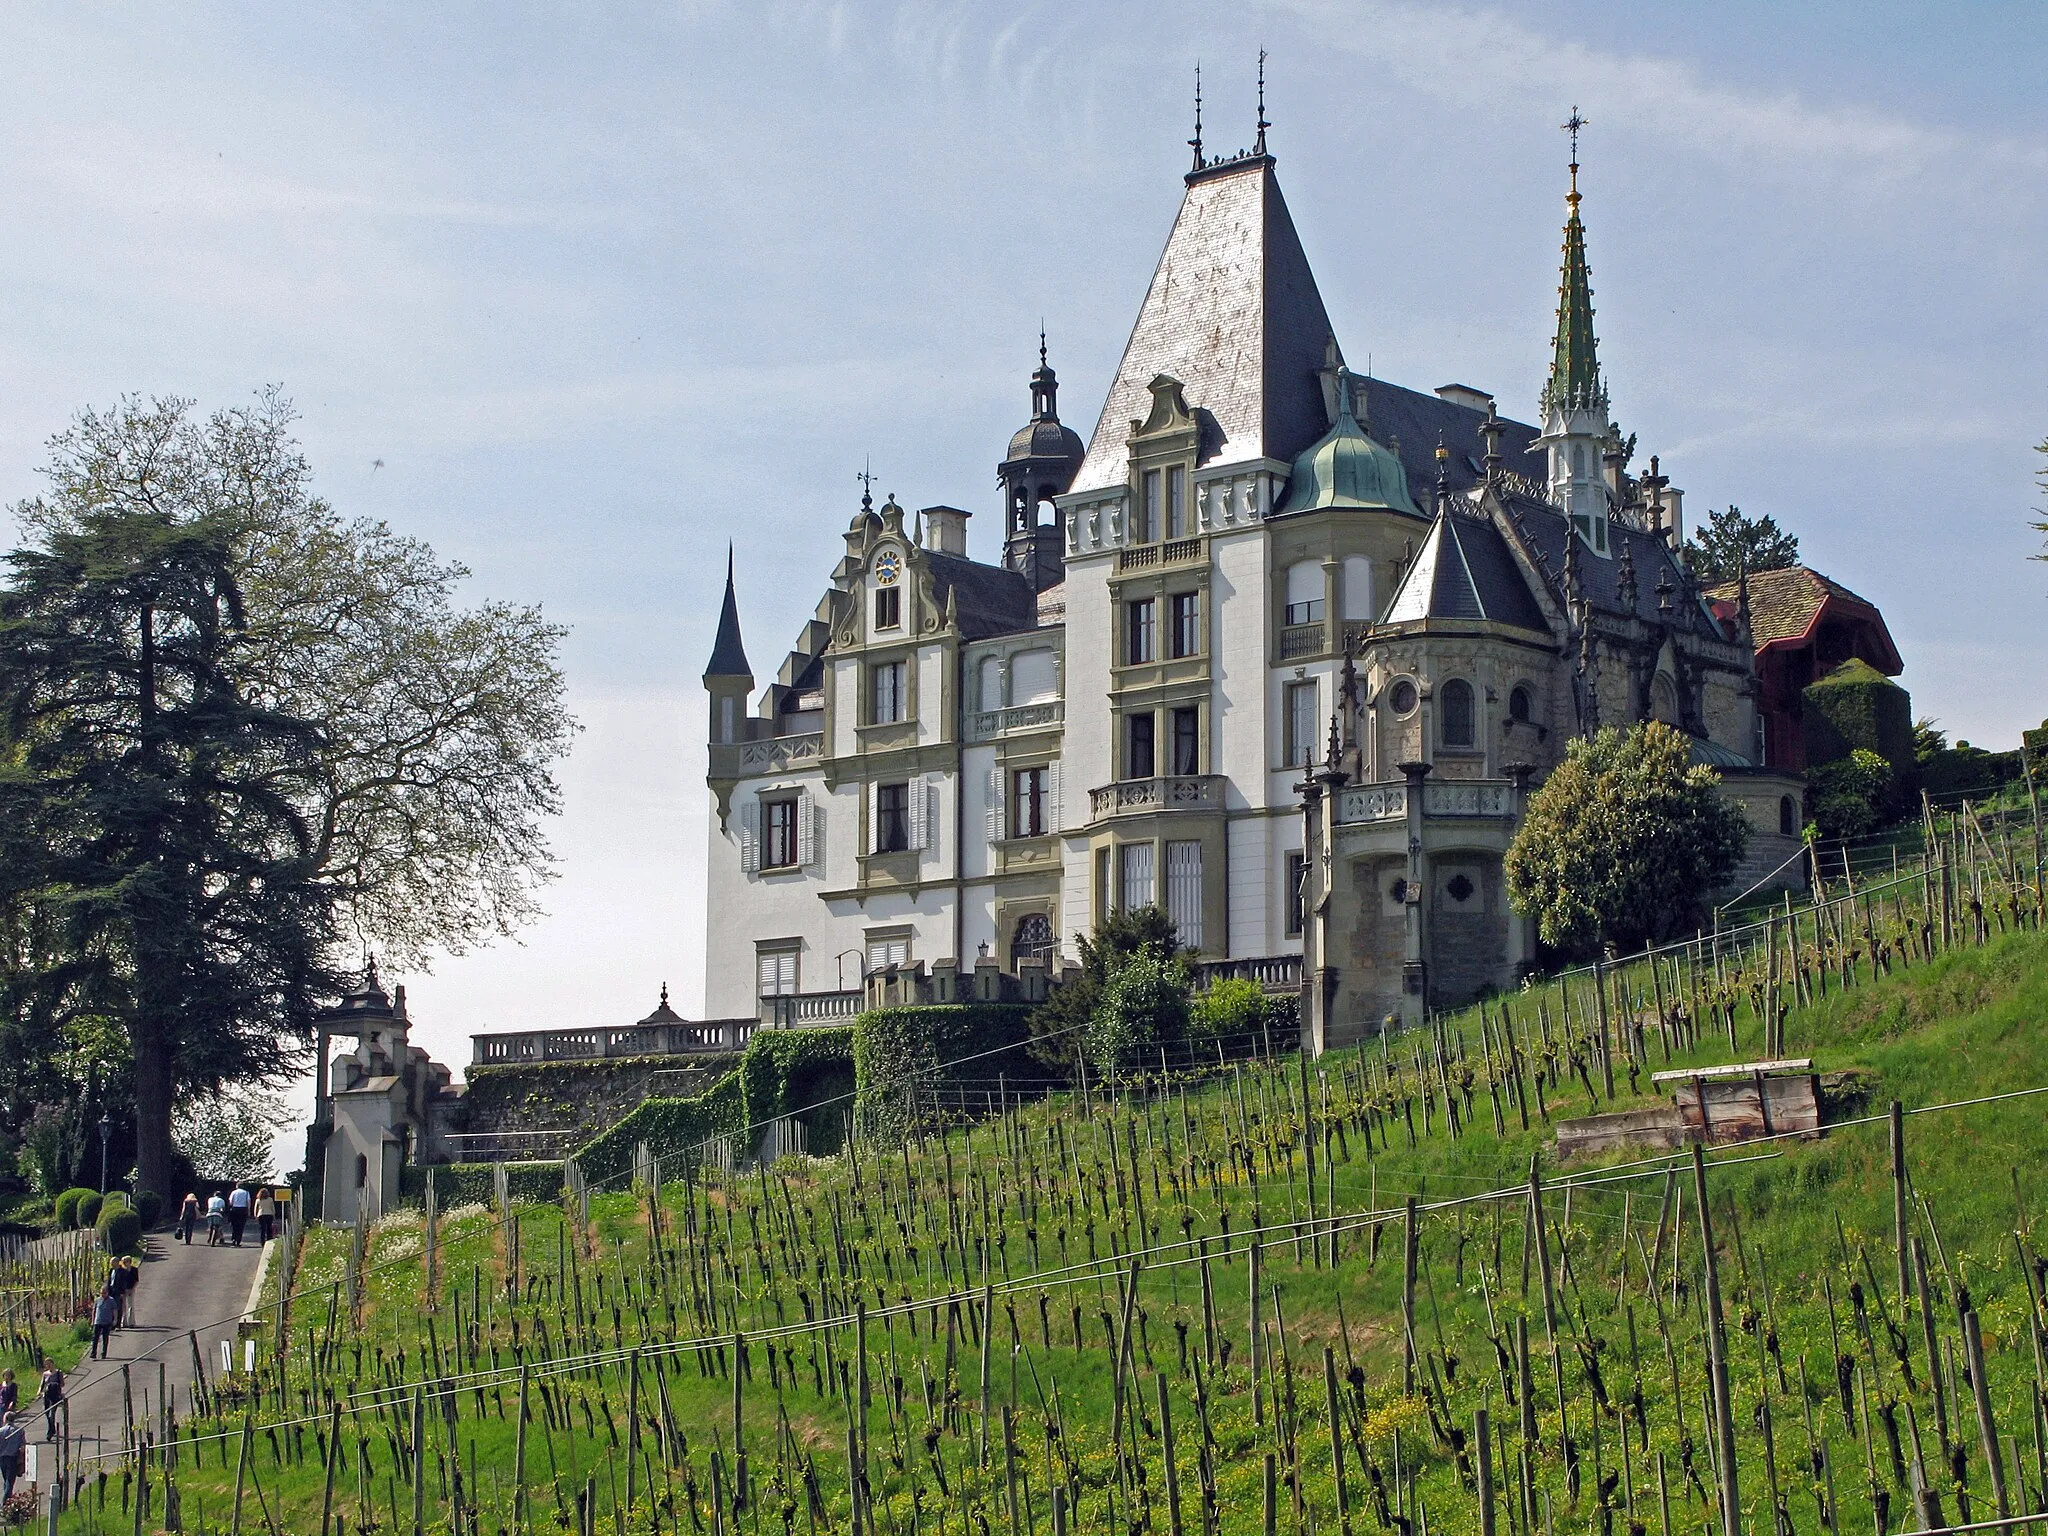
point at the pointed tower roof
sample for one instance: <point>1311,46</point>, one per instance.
<point>1233,313</point>
<point>728,655</point>
<point>1575,364</point>
<point>1464,571</point>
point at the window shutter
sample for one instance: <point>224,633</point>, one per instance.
<point>1053,822</point>
<point>806,829</point>
<point>750,837</point>
<point>874,818</point>
<point>997,805</point>
<point>920,802</point>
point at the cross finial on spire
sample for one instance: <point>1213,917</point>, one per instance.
<point>1572,125</point>
<point>1196,142</point>
<point>1259,148</point>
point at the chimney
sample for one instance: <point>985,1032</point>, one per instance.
<point>1465,395</point>
<point>945,530</point>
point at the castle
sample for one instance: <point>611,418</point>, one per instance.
<point>1262,574</point>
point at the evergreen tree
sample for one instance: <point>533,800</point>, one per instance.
<point>154,807</point>
<point>1730,544</point>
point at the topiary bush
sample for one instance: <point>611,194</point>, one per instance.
<point>1858,707</point>
<point>119,1229</point>
<point>88,1208</point>
<point>66,1208</point>
<point>149,1205</point>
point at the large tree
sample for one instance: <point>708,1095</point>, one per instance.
<point>1625,843</point>
<point>403,754</point>
<point>1730,543</point>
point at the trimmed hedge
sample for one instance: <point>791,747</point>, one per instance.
<point>149,1205</point>
<point>805,1073</point>
<point>66,1208</point>
<point>668,1126</point>
<point>1858,706</point>
<point>119,1229</point>
<point>909,1061</point>
<point>88,1208</point>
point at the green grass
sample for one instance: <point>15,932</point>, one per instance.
<point>1028,1203</point>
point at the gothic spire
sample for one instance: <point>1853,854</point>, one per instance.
<point>1575,366</point>
<point>728,655</point>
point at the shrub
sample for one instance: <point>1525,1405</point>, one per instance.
<point>1234,1011</point>
<point>1853,795</point>
<point>66,1208</point>
<point>1856,706</point>
<point>1060,1024</point>
<point>1143,1010</point>
<point>119,1229</point>
<point>89,1208</point>
<point>907,1060</point>
<point>149,1205</point>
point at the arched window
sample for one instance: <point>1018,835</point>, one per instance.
<point>362,1170</point>
<point>1788,817</point>
<point>1454,713</point>
<point>1664,701</point>
<point>1401,698</point>
<point>1033,939</point>
<point>1521,705</point>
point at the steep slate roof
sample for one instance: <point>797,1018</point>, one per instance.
<point>1785,605</point>
<point>1232,313</point>
<point>990,599</point>
<point>728,656</point>
<point>1411,422</point>
<point>1464,571</point>
<point>1546,530</point>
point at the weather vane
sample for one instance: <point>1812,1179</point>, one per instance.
<point>867,486</point>
<point>1260,147</point>
<point>1572,125</point>
<point>1196,142</point>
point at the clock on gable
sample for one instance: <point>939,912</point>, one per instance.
<point>888,566</point>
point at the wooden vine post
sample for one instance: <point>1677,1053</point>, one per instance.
<point>1717,1359</point>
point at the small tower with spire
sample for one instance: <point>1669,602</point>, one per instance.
<point>727,677</point>
<point>1576,427</point>
<point>1043,459</point>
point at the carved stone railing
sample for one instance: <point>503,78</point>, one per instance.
<point>1372,802</point>
<point>1175,551</point>
<point>806,1010</point>
<point>770,754</point>
<point>528,1045</point>
<point>1136,557</point>
<point>984,724</point>
<point>1485,798</point>
<point>1301,640</point>
<point>1136,797</point>
<point>1274,973</point>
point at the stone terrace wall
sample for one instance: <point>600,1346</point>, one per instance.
<point>581,1098</point>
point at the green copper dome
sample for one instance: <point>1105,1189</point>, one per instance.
<point>1348,469</point>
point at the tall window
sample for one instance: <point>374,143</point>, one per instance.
<point>1135,886</point>
<point>1454,713</point>
<point>892,818</point>
<point>1304,593</point>
<point>1141,639</point>
<point>1296,895</point>
<point>1301,724</point>
<point>1184,891</point>
<point>887,683</point>
<point>775,970</point>
<point>1187,741</point>
<point>1521,705</point>
<point>1148,509</point>
<point>1186,638</point>
<point>1176,503</point>
<point>1140,761</point>
<point>778,834</point>
<point>888,607</point>
<point>1027,802</point>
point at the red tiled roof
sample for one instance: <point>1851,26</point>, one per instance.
<point>1784,605</point>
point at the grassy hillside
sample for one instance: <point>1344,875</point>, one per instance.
<point>880,1270</point>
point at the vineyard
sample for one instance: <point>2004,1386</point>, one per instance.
<point>1253,1294</point>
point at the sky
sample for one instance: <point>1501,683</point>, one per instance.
<point>580,294</point>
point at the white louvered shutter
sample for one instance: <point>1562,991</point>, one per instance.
<point>750,837</point>
<point>874,818</point>
<point>1053,821</point>
<point>920,804</point>
<point>806,830</point>
<point>997,805</point>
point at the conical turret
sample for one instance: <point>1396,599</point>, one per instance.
<point>727,676</point>
<point>1575,422</point>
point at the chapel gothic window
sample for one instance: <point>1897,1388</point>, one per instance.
<point>1454,707</point>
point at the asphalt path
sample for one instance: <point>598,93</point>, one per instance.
<point>184,1291</point>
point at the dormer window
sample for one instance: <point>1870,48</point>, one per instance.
<point>888,608</point>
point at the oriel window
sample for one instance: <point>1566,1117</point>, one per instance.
<point>1186,638</point>
<point>1139,760</point>
<point>887,683</point>
<point>1141,631</point>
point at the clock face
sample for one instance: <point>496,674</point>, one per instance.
<point>888,565</point>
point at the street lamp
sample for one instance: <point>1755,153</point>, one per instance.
<point>106,1130</point>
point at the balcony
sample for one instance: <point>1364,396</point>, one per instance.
<point>1278,974</point>
<point>1442,800</point>
<point>518,1047</point>
<point>1138,557</point>
<point>1298,640</point>
<point>770,754</point>
<point>1143,797</point>
<point>987,724</point>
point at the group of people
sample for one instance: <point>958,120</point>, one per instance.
<point>228,1211</point>
<point>116,1305</point>
<point>13,1433</point>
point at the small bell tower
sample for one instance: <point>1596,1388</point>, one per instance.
<point>1043,459</point>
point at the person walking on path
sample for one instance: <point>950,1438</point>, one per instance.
<point>188,1218</point>
<point>51,1396</point>
<point>216,1213</point>
<point>13,1448</point>
<point>10,1391</point>
<point>238,1211</point>
<point>106,1315</point>
<point>266,1214</point>
<point>118,1289</point>
<point>131,1278</point>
